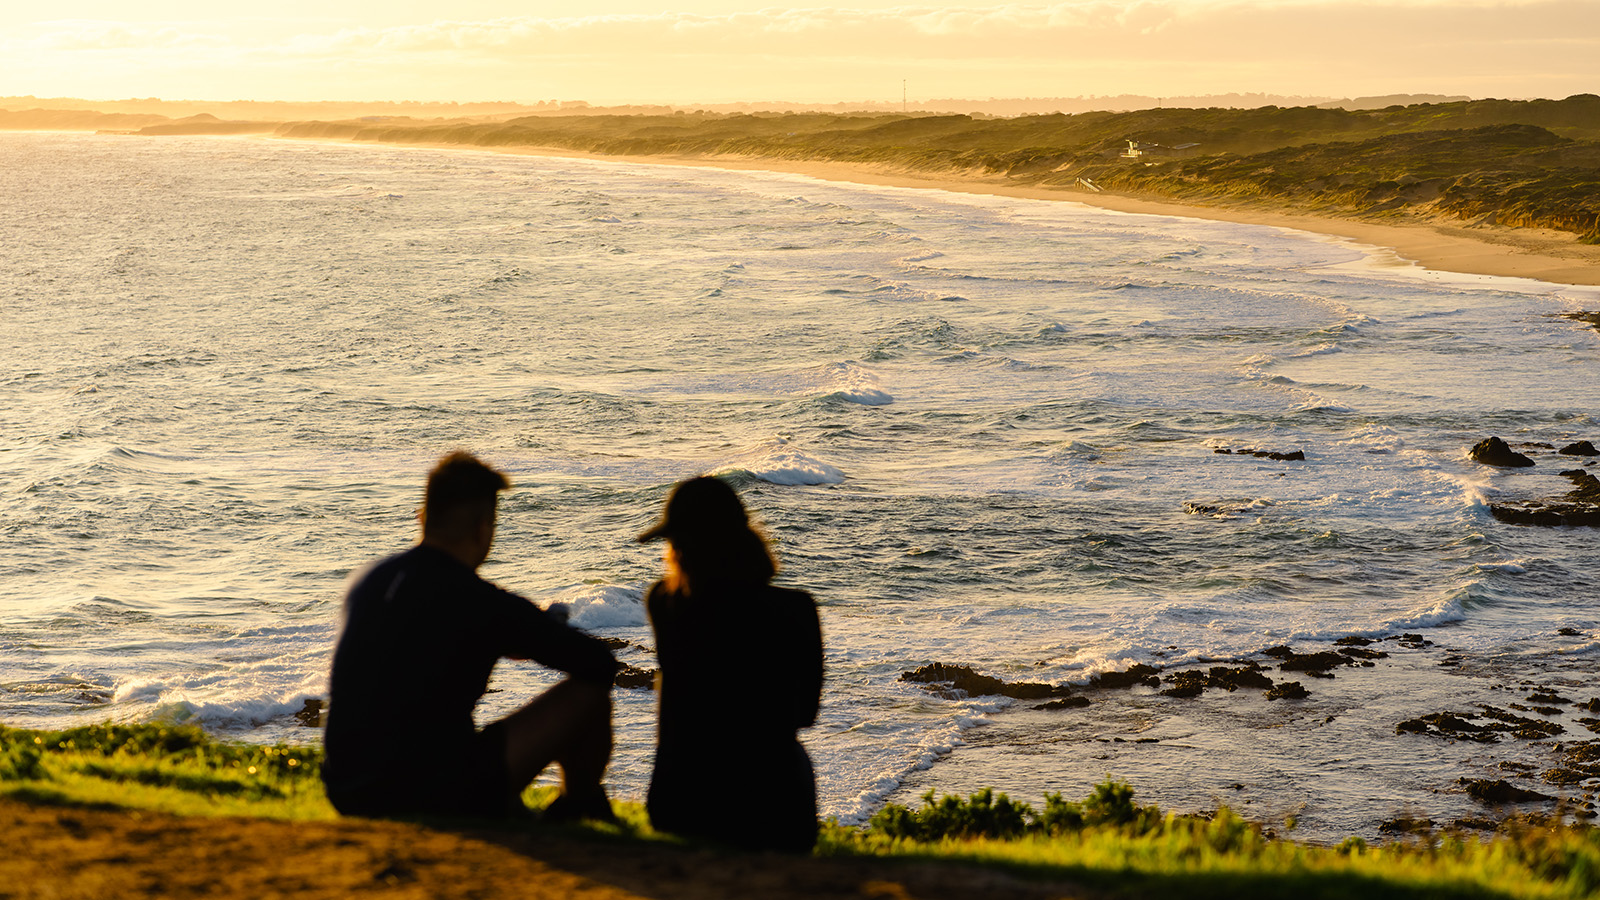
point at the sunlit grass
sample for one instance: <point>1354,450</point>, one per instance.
<point>174,769</point>
<point>1106,842</point>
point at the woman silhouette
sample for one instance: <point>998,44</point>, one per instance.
<point>740,673</point>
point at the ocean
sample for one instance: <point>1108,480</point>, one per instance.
<point>1013,435</point>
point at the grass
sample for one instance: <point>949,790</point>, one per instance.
<point>1106,842</point>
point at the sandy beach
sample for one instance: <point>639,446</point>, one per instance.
<point>1438,244</point>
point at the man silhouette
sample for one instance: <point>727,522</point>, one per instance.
<point>422,633</point>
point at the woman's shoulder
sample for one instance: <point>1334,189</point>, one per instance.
<point>782,594</point>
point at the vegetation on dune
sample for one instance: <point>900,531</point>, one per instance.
<point>1533,163</point>
<point>1107,842</point>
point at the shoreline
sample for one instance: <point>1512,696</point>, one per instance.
<point>1445,246</point>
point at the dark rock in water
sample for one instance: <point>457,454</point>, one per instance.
<point>1521,726</point>
<point>1581,506</point>
<point>1354,641</point>
<point>1455,725</point>
<point>1235,678</point>
<point>311,714</point>
<point>1500,791</point>
<point>1580,763</point>
<point>1586,487</point>
<point>1492,451</point>
<point>633,677</point>
<point>1587,318</point>
<point>1137,674</point>
<point>1564,516</point>
<point>1546,695</point>
<point>1581,448</point>
<point>1592,706</point>
<point>1293,455</point>
<point>1321,661</point>
<point>1569,632</point>
<point>1065,703</point>
<point>964,678</point>
<point>1287,690</point>
<point>1406,825</point>
<point>1186,684</point>
<point>1448,725</point>
<point>1360,653</point>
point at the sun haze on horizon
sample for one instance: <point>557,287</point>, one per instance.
<point>717,51</point>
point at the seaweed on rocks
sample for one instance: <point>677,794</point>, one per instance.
<point>965,678</point>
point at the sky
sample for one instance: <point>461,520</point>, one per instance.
<point>721,51</point>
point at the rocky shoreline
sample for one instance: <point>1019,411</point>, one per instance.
<point>1557,782</point>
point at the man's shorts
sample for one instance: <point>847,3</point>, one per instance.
<point>470,781</point>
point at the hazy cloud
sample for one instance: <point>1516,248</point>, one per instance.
<point>1331,47</point>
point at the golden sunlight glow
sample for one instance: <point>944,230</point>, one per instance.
<point>708,51</point>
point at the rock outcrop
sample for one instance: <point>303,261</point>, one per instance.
<point>1492,451</point>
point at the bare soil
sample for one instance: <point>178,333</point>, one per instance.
<point>63,853</point>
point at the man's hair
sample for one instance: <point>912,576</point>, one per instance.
<point>461,493</point>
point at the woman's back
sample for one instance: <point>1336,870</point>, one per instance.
<point>740,672</point>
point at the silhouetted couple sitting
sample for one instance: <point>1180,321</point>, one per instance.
<point>740,672</point>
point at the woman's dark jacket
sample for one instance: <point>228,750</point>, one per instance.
<point>740,672</point>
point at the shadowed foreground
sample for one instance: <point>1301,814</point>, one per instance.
<point>69,852</point>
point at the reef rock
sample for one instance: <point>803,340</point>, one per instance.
<point>1581,448</point>
<point>1500,791</point>
<point>634,677</point>
<point>964,678</point>
<point>1287,690</point>
<point>1580,506</point>
<point>1137,674</point>
<point>1492,451</point>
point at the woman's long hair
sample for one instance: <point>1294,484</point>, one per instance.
<point>735,557</point>
<point>710,539</point>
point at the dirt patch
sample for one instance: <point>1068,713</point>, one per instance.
<point>66,853</point>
